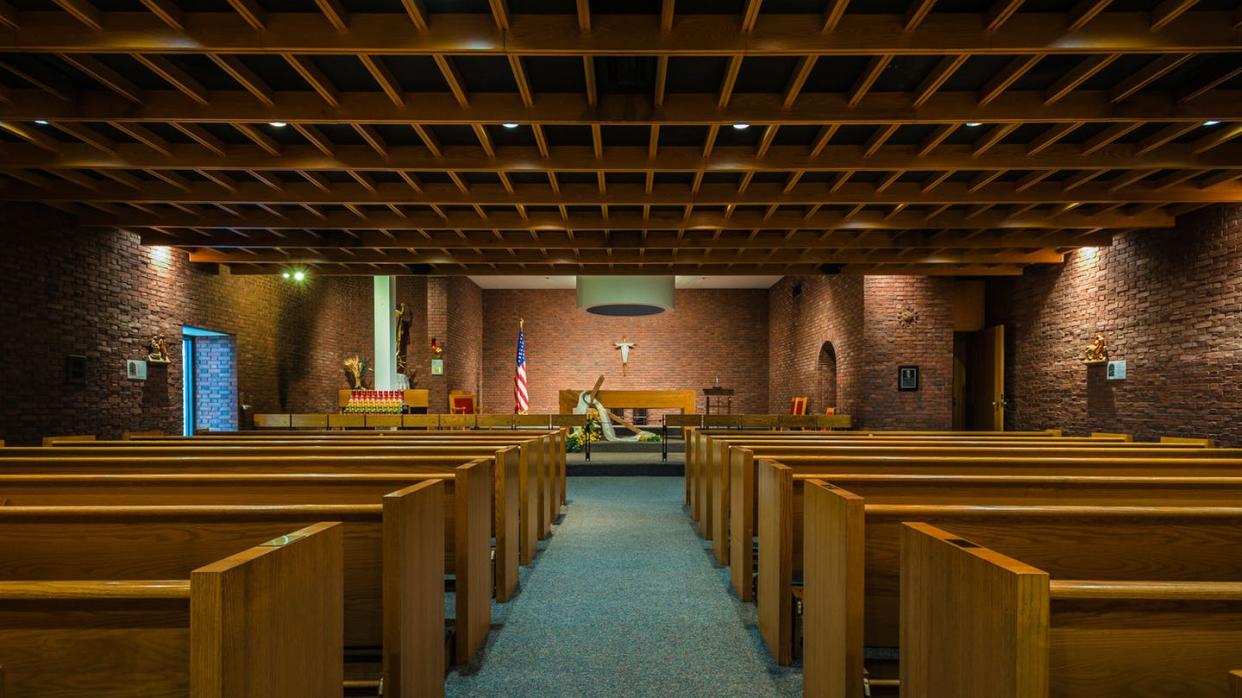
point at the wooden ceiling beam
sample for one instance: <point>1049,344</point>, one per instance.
<point>8,15</point>
<point>750,16</point>
<point>251,13</point>
<point>167,11</point>
<point>574,194</point>
<point>1150,73</point>
<point>1165,135</point>
<point>323,155</point>
<point>634,34</point>
<point>1006,78</point>
<point>314,77</point>
<point>726,268</point>
<point>87,135</point>
<point>384,78</point>
<point>1106,137</point>
<point>679,109</point>
<point>1081,73</point>
<point>244,77</point>
<point>624,256</point>
<point>1085,11</point>
<point>453,79</point>
<point>101,73</point>
<point>868,77</point>
<point>727,83</point>
<point>796,81</point>
<point>937,78</point>
<point>1168,11</point>
<point>83,11</point>
<point>1049,137</point>
<point>31,135</point>
<point>1000,13</point>
<point>264,141</point>
<point>917,12</point>
<point>519,78</point>
<point>418,14</point>
<point>834,14</point>
<point>144,136</point>
<point>541,238</point>
<point>175,76</point>
<point>201,136</point>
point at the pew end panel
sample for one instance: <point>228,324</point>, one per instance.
<point>974,623</point>
<point>832,593</point>
<point>472,521</point>
<point>269,621</point>
<point>741,522</point>
<point>507,471</point>
<point>1235,683</point>
<point>775,558</point>
<point>414,568</point>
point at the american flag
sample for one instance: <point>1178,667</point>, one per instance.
<point>521,398</point>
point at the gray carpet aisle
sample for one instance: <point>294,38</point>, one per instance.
<point>625,601</point>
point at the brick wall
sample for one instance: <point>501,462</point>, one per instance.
<point>823,309</point>
<point>862,318</point>
<point>710,332</point>
<point>908,320</point>
<point>68,291</point>
<point>215,383</point>
<point>464,334</point>
<point>1169,302</point>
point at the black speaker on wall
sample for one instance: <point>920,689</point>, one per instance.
<point>75,370</point>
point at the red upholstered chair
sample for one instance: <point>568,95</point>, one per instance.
<point>461,403</point>
<point>798,406</point>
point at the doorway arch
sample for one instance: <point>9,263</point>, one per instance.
<point>827,373</point>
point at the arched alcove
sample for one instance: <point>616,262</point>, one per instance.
<point>827,370</point>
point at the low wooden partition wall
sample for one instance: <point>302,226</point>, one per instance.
<point>1097,602</point>
<point>85,612</point>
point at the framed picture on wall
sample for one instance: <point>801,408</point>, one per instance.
<point>907,377</point>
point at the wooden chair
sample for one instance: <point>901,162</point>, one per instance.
<point>797,406</point>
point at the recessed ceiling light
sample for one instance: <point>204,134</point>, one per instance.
<point>277,124</point>
<point>1211,122</point>
<point>510,124</point>
<point>286,275</point>
<point>741,126</point>
<point>41,122</point>
<point>974,124</point>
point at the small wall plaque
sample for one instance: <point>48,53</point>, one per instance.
<point>1117,370</point>
<point>136,370</point>
<point>437,367</point>
<point>907,378</point>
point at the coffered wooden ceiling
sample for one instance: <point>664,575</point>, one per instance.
<point>622,136</point>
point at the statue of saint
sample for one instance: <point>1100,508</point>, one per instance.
<point>157,350</point>
<point>625,346</point>
<point>1097,351</point>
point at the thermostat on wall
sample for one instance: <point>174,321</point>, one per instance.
<point>1117,370</point>
<point>136,370</point>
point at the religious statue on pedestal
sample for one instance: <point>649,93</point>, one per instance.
<point>1097,351</point>
<point>157,350</point>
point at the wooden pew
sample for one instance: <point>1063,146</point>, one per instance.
<point>549,471</point>
<point>849,534</point>
<point>509,528</point>
<point>1107,605</point>
<point>708,461</point>
<point>261,621</point>
<point>1235,683</point>
<point>463,539</point>
<point>733,528</point>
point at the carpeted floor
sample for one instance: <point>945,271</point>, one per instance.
<point>625,601</point>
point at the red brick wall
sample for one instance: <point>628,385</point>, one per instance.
<point>893,340</point>
<point>67,291</point>
<point>861,318</point>
<point>1168,302</point>
<point>465,334</point>
<point>709,332</point>
<point>828,309</point>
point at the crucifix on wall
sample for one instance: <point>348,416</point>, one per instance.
<point>625,346</point>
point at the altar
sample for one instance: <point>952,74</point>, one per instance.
<point>683,400</point>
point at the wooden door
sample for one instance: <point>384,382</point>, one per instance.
<point>988,376</point>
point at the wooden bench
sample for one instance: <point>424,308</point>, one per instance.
<point>463,535</point>
<point>510,504</point>
<point>259,621</point>
<point>734,501</point>
<point>552,476</point>
<point>1100,603</point>
<point>849,535</point>
<point>706,462</point>
<point>780,525</point>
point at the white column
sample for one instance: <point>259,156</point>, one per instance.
<point>385,332</point>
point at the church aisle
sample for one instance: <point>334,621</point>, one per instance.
<point>625,601</point>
